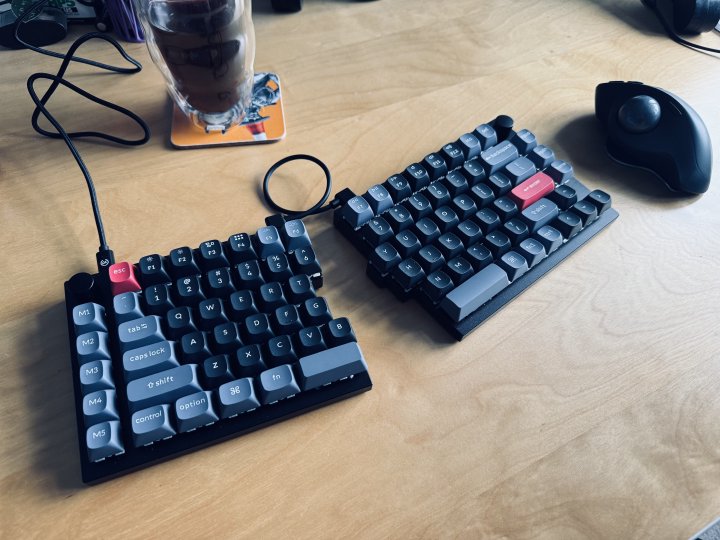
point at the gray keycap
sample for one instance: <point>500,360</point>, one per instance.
<point>532,250</point>
<point>99,407</point>
<point>127,307</point>
<point>162,387</point>
<point>194,411</point>
<point>104,440</point>
<point>92,346</point>
<point>472,294</point>
<point>277,383</point>
<point>96,375</point>
<point>89,317</point>
<point>539,213</point>
<point>357,212</point>
<point>378,198</point>
<point>331,365</point>
<point>148,359</point>
<point>268,242</point>
<point>295,235</point>
<point>496,157</point>
<point>151,424</point>
<point>237,397</point>
<point>139,332</point>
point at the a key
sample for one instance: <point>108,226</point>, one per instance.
<point>122,278</point>
<point>453,155</point>
<point>338,332</point>
<point>430,258</point>
<point>398,187</point>
<point>151,270</point>
<point>96,375</point>
<point>483,195</point>
<point>249,276</point>
<point>211,313</point>
<point>497,242</point>
<point>310,341</point>
<point>376,231</point>
<point>379,199</point>
<point>408,274</point>
<point>479,256</point>
<point>519,170</point>
<point>486,135</point>
<point>104,440</point>
<point>499,183</point>
<point>469,232</point>
<point>516,230</point>
<point>331,365</point>
<point>469,145</point>
<point>304,261</point>
<point>295,235</point>
<point>99,406</point>
<point>417,176</point>
<point>127,307</point>
<point>549,237</point>
<point>426,230</point>
<point>163,387</point>
<point>473,171</point>
<point>194,347</point>
<point>445,218</point>
<point>560,171</point>
<point>449,245</point>
<point>194,411</point>
<point>257,329</point>
<point>524,140</point>
<point>600,199</point>
<point>476,291</point>
<point>148,359</point>
<point>151,424</point>
<point>437,194</point>
<point>181,263</point>
<point>299,289</point>
<point>157,299</point>
<point>219,283</point>
<point>277,383</point>
<point>464,206</point>
<point>532,190</point>
<point>92,346</point>
<point>419,206</point>
<point>568,223</point>
<point>271,296</point>
<point>267,241</point>
<point>532,250</point>
<point>563,196</point>
<point>179,321</point>
<point>188,291</point>
<point>541,156</point>
<point>237,397</point>
<point>407,243</point>
<point>455,183</point>
<point>435,165</point>
<point>277,266</point>
<point>458,269</point>
<point>585,210</point>
<point>89,317</point>
<point>505,208</point>
<point>384,257</point>
<point>487,219</point>
<point>226,338</point>
<point>242,304</point>
<point>399,218</point>
<point>287,319</point>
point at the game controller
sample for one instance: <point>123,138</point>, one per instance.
<point>651,128</point>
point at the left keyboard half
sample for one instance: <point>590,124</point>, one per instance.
<point>179,351</point>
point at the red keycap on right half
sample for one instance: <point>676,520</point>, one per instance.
<point>531,190</point>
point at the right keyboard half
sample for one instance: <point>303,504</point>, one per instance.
<point>469,227</point>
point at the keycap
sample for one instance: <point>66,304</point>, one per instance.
<point>469,232</point>
<point>399,218</point>
<point>487,219</point>
<point>104,440</point>
<point>194,411</point>
<point>148,359</point>
<point>473,171</point>
<point>426,230</point>
<point>505,207</point>
<point>549,237</point>
<point>89,317</point>
<point>436,285</point>
<point>445,218</point>
<point>300,288</point>
<point>99,406</point>
<point>96,375</point>
<point>151,270</point>
<point>568,223</point>
<point>304,261</point>
<point>139,332</point>
<point>249,276</point>
<point>408,273</point>
<point>486,135</point>
<point>194,347</point>
<point>437,194</point>
<point>563,196</point>
<point>539,213</point>
<point>219,283</point>
<point>287,319</point>
<point>469,145</point>
<point>472,294</point>
<point>127,307</point>
<point>216,370</point>
<point>256,329</point>
<point>532,250</point>
<point>541,156</point>
<point>310,341</point>
<point>267,241</point>
<point>407,243</point>
<point>237,397</point>
<point>600,199</point>
<point>249,361</point>
<point>277,266</point>
<point>499,183</point>
<point>417,176</point>
<point>483,195</point>
<point>398,187</point>
<point>92,346</point>
<point>435,166</point>
<point>496,157</point>
<point>271,296</point>
<point>210,255</point>
<point>376,231</point>
<point>458,269</point>
<point>357,212</point>
<point>453,155</point>
<point>514,264</point>
<point>122,278</point>
<point>280,350</point>
<point>519,170</point>
<point>384,257</point>
<point>188,291</point>
<point>532,190</point>
<point>449,245</point>
<point>241,304</point>
<point>455,183</point>
<point>338,332</point>
<point>516,230</point>
<point>524,140</point>
<point>331,365</point>
<point>430,258</point>
<point>295,234</point>
<point>560,171</point>
<point>179,321</point>
<point>586,211</point>
<point>479,256</point>
<point>277,383</point>
<point>181,263</point>
<point>240,248</point>
<point>157,299</point>
<point>464,206</point>
<point>163,387</point>
<point>225,338</point>
<point>315,311</point>
<point>419,206</point>
<point>151,424</point>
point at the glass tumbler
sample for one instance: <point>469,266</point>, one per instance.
<point>205,50</point>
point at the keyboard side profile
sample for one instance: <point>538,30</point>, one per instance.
<point>470,227</point>
<point>178,352</point>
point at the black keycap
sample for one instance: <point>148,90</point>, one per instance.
<point>267,241</point>
<point>568,223</point>
<point>505,208</point>
<point>600,199</point>
<point>210,255</point>
<point>437,285</point>
<point>256,329</point>
<point>408,274</point>
<point>378,198</point>
<point>458,269</point>
<point>520,169</point>
<point>271,296</point>
<point>549,237</point>
<point>437,194</point>
<point>455,183</point>
<point>417,176</point>
<point>487,219</point>
<point>541,156</point>
<point>194,348</point>
<point>181,263</point>
<point>486,135</point>
<point>498,243</point>
<point>483,195</point>
<point>287,320</point>
<point>398,187</point>
<point>338,332</point>
<point>469,232</point>
<point>299,289</point>
<point>294,235</point>
<point>280,350</point>
<point>514,264</point>
<point>524,140</point>
<point>179,321</point>
<point>304,261</point>
<point>376,231</point>
<point>496,157</point>
<point>248,361</point>
<point>435,165</point>
<point>407,243</point>
<point>449,245</point>
<point>445,218</point>
<point>560,171</point>
<point>470,145</point>
<point>479,256</point>
<point>188,291</point>
<point>499,183</point>
<point>419,206</point>
<point>426,230</point>
<point>157,299</point>
<point>226,338</point>
<point>240,249</point>
<point>151,270</point>
<point>563,196</point>
<point>277,266</point>
<point>399,218</point>
<point>309,340</point>
<point>315,311</point>
<point>532,250</point>
<point>219,283</point>
<point>249,275</point>
<point>504,126</point>
<point>277,383</point>
<point>453,155</point>
<point>539,213</point>
<point>430,258</point>
<point>216,371</point>
<point>516,230</point>
<point>211,313</point>
<point>384,257</point>
<point>586,211</point>
<point>241,305</point>
<point>464,206</point>
<point>473,171</point>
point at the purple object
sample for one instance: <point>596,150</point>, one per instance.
<point>124,20</point>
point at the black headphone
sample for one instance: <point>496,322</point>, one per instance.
<point>690,17</point>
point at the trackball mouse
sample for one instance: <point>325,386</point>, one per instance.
<point>651,128</point>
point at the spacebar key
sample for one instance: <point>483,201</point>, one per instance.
<point>331,365</point>
<point>162,387</point>
<point>463,300</point>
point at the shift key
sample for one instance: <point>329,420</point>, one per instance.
<point>163,387</point>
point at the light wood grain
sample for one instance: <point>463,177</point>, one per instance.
<point>588,408</point>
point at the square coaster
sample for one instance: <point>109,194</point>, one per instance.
<point>264,122</point>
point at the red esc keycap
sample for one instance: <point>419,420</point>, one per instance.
<point>533,189</point>
<point>122,278</point>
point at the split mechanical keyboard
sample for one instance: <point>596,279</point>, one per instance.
<point>177,352</point>
<point>468,228</point>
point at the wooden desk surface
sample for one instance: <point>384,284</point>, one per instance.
<point>588,408</point>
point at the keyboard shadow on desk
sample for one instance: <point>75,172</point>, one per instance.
<point>49,403</point>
